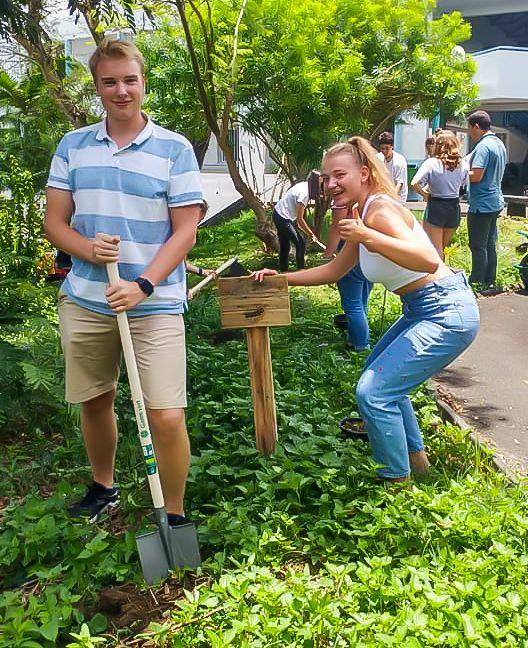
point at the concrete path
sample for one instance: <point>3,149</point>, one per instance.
<point>488,384</point>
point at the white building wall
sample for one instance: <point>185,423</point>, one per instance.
<point>213,157</point>
<point>409,137</point>
<point>252,160</point>
<point>501,77</point>
<point>480,7</point>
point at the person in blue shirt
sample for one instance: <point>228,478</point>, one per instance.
<point>487,162</point>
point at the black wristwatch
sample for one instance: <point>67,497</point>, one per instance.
<point>200,271</point>
<point>145,285</point>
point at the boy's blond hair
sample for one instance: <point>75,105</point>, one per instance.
<point>109,47</point>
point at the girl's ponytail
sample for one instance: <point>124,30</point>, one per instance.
<point>365,155</point>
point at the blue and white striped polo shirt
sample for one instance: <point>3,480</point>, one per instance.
<point>126,191</point>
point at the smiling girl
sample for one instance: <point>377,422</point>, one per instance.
<point>440,316</point>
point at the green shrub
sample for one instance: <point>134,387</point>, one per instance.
<point>303,549</point>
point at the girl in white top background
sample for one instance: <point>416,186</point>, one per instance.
<point>289,217</point>
<point>440,315</point>
<point>438,181</point>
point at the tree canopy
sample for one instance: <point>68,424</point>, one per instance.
<point>172,98</point>
<point>313,72</point>
<point>297,75</point>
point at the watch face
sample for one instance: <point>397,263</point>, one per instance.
<point>145,285</point>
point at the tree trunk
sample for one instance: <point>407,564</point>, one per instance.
<point>200,149</point>
<point>264,229</point>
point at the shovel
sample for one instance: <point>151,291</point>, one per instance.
<point>194,291</point>
<point>167,547</point>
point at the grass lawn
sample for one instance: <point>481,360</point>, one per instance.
<point>304,549</point>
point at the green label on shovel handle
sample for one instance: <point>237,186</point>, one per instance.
<point>148,451</point>
<point>151,466</point>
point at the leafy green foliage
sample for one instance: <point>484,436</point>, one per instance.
<point>31,124</point>
<point>14,18</point>
<point>172,98</point>
<point>24,254</point>
<point>31,387</point>
<point>21,222</point>
<point>303,549</point>
<point>105,14</point>
<point>301,75</point>
<point>84,639</point>
<point>458,255</point>
<point>378,601</point>
<point>40,544</point>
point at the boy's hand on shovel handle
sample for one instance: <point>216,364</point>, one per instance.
<point>105,248</point>
<point>124,296</point>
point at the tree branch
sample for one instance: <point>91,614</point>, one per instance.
<point>209,107</point>
<point>209,46</point>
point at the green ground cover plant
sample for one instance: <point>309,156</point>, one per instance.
<point>304,549</point>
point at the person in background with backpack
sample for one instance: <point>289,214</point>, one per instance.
<point>438,181</point>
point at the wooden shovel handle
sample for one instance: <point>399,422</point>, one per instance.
<point>194,291</point>
<point>136,392</point>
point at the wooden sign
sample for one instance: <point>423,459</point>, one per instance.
<point>246,303</point>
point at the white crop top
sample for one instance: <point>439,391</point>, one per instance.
<point>379,269</point>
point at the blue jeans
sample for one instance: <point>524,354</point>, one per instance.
<point>354,290</point>
<point>439,321</point>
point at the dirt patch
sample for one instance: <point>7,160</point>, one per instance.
<point>46,491</point>
<point>117,524</point>
<point>226,335</point>
<point>448,398</point>
<point>130,607</point>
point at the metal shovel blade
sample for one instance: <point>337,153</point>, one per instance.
<point>152,556</point>
<point>155,563</point>
<point>184,546</point>
<point>237,270</point>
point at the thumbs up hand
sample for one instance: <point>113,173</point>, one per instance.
<point>353,229</point>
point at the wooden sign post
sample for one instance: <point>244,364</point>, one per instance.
<point>254,306</point>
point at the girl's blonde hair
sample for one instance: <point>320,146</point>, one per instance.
<point>365,155</point>
<point>447,149</point>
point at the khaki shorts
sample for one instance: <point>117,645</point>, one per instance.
<point>92,354</point>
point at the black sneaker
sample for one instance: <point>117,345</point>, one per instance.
<point>176,520</point>
<point>98,500</point>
